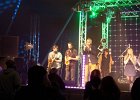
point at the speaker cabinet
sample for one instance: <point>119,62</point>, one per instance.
<point>9,46</point>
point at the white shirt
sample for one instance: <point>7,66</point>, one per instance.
<point>56,56</point>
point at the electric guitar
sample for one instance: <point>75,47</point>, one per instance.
<point>50,62</point>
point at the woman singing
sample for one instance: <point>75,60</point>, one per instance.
<point>130,62</point>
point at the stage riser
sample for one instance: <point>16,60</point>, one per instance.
<point>77,94</point>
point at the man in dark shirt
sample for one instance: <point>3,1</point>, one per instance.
<point>71,58</point>
<point>89,58</point>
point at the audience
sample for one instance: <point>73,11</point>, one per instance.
<point>109,89</point>
<point>2,63</point>
<point>39,87</point>
<point>92,91</point>
<point>51,87</point>
<point>57,82</point>
<point>135,90</point>
<point>9,81</point>
<point>1,69</point>
<point>36,88</point>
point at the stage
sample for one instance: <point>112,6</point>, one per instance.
<point>77,94</point>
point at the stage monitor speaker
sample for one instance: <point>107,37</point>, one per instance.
<point>9,46</point>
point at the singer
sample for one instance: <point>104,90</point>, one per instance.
<point>130,63</point>
<point>90,58</point>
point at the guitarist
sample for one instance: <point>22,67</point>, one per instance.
<point>71,58</point>
<point>54,59</point>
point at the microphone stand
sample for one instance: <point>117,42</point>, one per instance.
<point>122,78</point>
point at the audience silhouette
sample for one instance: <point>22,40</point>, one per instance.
<point>109,89</point>
<point>36,87</point>
<point>39,86</point>
<point>57,82</point>
<point>42,86</point>
<point>135,90</point>
<point>92,91</point>
<point>9,81</point>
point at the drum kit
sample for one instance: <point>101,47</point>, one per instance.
<point>28,46</point>
<point>122,78</point>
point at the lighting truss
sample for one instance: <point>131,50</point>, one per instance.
<point>82,37</point>
<point>84,6</point>
<point>115,3</point>
<point>105,33</point>
<point>82,30</point>
<point>105,26</point>
<point>130,14</point>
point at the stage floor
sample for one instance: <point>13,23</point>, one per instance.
<point>77,94</point>
<point>124,86</point>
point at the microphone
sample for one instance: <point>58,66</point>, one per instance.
<point>84,47</point>
<point>128,45</point>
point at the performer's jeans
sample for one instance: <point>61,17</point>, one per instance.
<point>70,72</point>
<point>88,69</point>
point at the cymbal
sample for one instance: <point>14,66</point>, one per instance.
<point>28,46</point>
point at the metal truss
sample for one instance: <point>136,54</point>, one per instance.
<point>82,30</point>
<point>84,6</point>
<point>82,39</point>
<point>105,34</point>
<point>105,26</point>
<point>130,14</point>
<point>117,3</point>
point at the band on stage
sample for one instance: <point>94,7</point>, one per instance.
<point>95,58</point>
